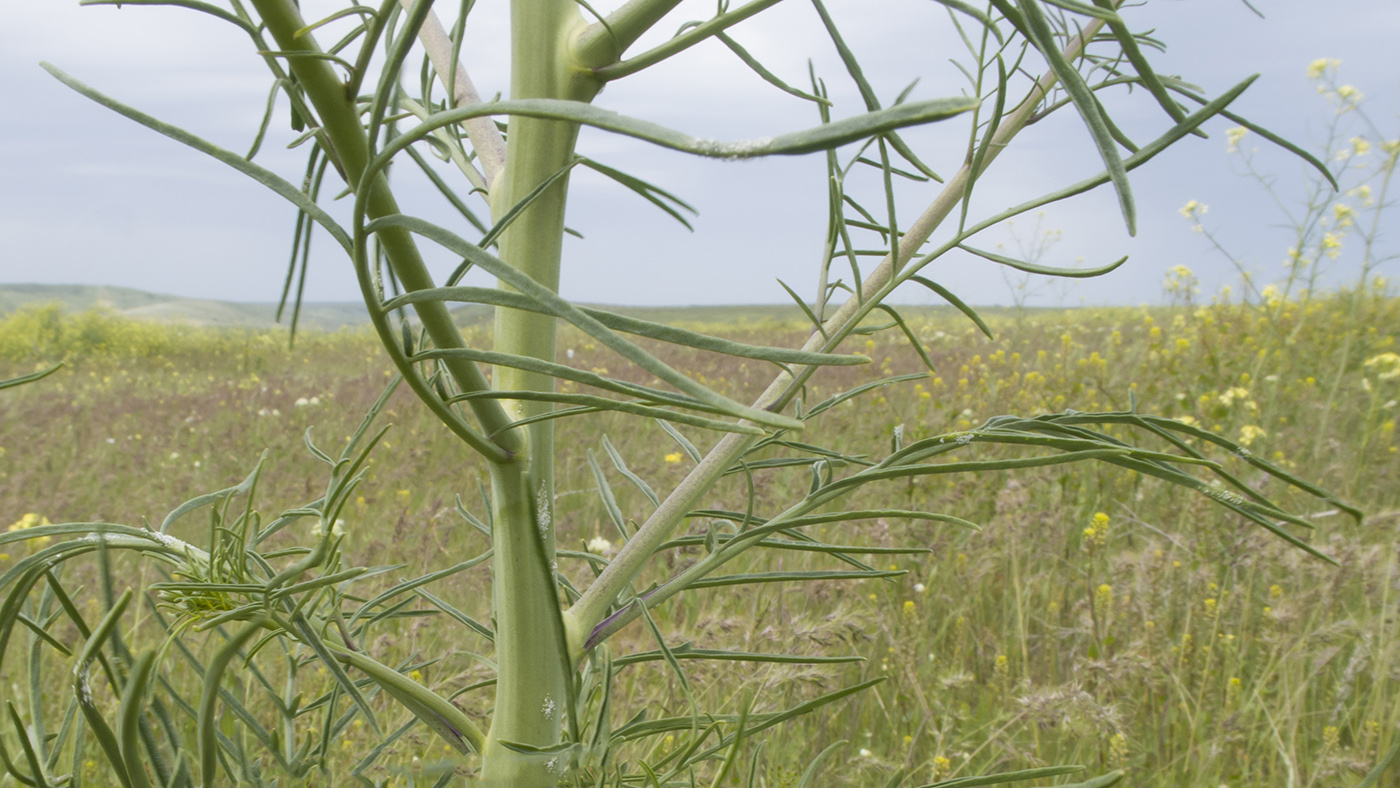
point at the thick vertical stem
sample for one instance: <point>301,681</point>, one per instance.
<point>340,119</point>
<point>530,683</point>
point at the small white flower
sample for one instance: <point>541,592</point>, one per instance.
<point>337,528</point>
<point>600,546</point>
<point>864,753</point>
<point>918,588</point>
<point>174,455</point>
<point>111,440</point>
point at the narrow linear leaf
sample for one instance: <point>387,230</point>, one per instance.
<point>1005,777</point>
<point>815,766</point>
<point>685,444</point>
<point>770,720</point>
<point>312,639</point>
<point>1374,776</point>
<point>31,377</point>
<point>36,771</point>
<point>630,325</point>
<point>975,13</point>
<point>1146,154</point>
<point>1045,270</point>
<point>787,577</point>
<point>194,5</point>
<point>1266,134</point>
<point>133,705</point>
<point>1085,9</point>
<point>767,76</point>
<point>207,723</point>
<point>605,494</point>
<point>266,177</point>
<point>653,194</point>
<point>686,651</point>
<point>956,303</point>
<point>589,325</point>
<point>621,465</point>
<point>1041,34</point>
<point>823,137</point>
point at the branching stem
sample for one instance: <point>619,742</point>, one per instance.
<point>593,607</point>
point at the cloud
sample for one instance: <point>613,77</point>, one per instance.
<point>69,161</point>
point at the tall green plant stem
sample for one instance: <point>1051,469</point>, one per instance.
<point>531,683</point>
<point>593,607</point>
<point>345,136</point>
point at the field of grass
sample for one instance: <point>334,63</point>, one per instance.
<point>1096,618</point>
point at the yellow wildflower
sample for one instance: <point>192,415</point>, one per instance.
<point>1103,599</point>
<point>1250,433</point>
<point>1346,217</point>
<point>1096,535</point>
<point>1234,135</point>
<point>1385,365</point>
<point>1321,66</point>
<point>32,520</point>
<point>674,457</point>
<point>1332,245</point>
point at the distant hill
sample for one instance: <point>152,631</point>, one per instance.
<point>140,305</point>
<point>325,316</point>
<point>331,316</point>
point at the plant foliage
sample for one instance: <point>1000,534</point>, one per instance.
<point>242,602</point>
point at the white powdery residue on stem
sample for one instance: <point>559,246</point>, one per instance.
<point>734,150</point>
<point>1225,496</point>
<point>542,513</point>
<point>548,707</point>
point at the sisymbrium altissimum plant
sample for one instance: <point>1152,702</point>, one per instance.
<point>392,90</point>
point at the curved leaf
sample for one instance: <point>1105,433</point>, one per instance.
<point>823,137</point>
<point>629,325</point>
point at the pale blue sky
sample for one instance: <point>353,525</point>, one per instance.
<point>87,197</point>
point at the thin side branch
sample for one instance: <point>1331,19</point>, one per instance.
<point>683,41</point>
<point>486,138</point>
<point>592,607</point>
<point>602,43</point>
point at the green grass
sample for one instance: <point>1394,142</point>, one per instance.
<point>1176,641</point>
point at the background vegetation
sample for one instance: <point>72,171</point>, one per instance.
<point>1097,618</point>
